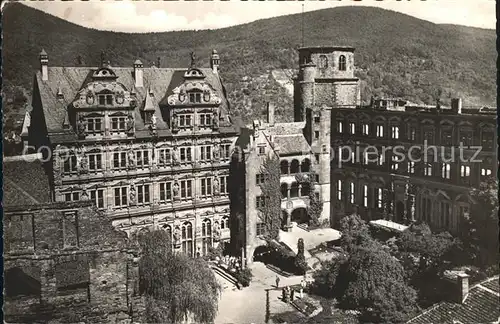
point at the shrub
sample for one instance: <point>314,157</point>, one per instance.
<point>244,276</point>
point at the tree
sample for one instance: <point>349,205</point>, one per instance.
<point>480,228</point>
<point>374,282</point>
<point>300,259</point>
<point>176,287</point>
<point>325,279</point>
<point>270,212</point>
<point>354,232</point>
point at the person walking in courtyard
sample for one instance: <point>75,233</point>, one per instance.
<point>277,282</point>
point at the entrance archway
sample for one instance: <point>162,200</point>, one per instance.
<point>300,216</point>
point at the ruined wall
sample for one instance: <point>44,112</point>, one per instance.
<point>65,261</point>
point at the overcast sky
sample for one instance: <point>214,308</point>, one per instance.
<point>147,16</point>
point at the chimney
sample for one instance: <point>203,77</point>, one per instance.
<point>270,113</point>
<point>463,286</point>
<point>44,65</point>
<point>215,61</point>
<point>456,105</point>
<point>158,62</point>
<point>138,74</point>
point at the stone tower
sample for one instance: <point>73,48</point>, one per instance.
<point>325,81</point>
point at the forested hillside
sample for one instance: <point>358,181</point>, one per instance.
<point>396,54</point>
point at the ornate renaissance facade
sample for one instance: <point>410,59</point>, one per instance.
<point>150,146</point>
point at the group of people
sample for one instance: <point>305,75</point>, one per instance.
<point>288,294</point>
<point>231,262</point>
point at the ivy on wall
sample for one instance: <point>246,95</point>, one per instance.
<point>315,207</point>
<point>270,212</point>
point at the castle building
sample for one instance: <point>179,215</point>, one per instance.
<point>149,145</point>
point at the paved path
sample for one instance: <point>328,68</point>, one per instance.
<point>248,305</point>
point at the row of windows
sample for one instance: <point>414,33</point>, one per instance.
<point>323,62</point>
<point>466,134</point>
<point>117,124</point>
<point>187,120</point>
<point>142,194</point>
<point>143,158</point>
<point>376,194</point>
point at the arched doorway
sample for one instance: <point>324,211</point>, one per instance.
<point>262,254</point>
<point>300,216</point>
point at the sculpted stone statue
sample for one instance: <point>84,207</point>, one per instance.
<point>215,120</point>
<point>216,152</point>
<point>175,155</point>
<point>216,187</point>
<point>130,124</point>
<point>153,121</point>
<point>177,236</point>
<point>175,121</point>
<point>85,195</point>
<point>175,190</point>
<point>132,196</point>
<point>81,161</point>
<point>81,127</point>
<point>193,59</point>
<point>217,231</point>
<point>131,158</point>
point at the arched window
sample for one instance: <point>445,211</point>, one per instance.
<point>284,190</point>
<point>294,190</point>
<point>224,224</point>
<point>342,63</point>
<point>168,229</point>
<point>206,234</point>
<point>284,167</point>
<point>323,62</point>
<point>295,167</point>
<point>187,238</point>
<point>305,166</point>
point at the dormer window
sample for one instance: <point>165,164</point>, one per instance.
<point>118,123</point>
<point>105,99</point>
<point>195,97</point>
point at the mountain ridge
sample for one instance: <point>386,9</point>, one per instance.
<point>396,54</point>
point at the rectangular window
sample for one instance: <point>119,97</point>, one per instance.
<point>223,180</point>
<point>259,179</point>
<point>262,150</point>
<point>185,154</point>
<point>142,158</point>
<point>95,162</point>
<point>340,127</point>
<point>260,202</point>
<point>316,134</point>
<point>206,187</point>
<point>339,189</point>
<point>447,136</point>
<point>464,171</point>
<point>429,136</point>
<point>164,156</point>
<point>316,119</point>
<point>225,151</point>
<point>102,99</point>
<point>445,170</point>
<point>395,163</point>
<point>395,132</point>
<point>121,197</point>
<point>165,191</point>
<point>206,153</point>
<point>365,129</point>
<point>466,136</point>
<point>487,139</point>
<point>20,233</point>
<point>485,172</point>
<point>412,132</point>
<point>98,197</point>
<point>380,130</point>
<point>72,196</point>
<point>195,97</point>
<point>118,124</point>
<point>109,100</point>
<point>316,158</point>
<point>70,165</point>
<point>352,128</point>
<point>143,194</point>
<point>119,160</point>
<point>185,120</point>
<point>186,189</point>
<point>380,160</point>
<point>379,197</point>
<point>428,170</point>
<point>351,193</point>
<point>205,119</point>
<point>365,195</point>
<point>94,125</point>
<point>411,167</point>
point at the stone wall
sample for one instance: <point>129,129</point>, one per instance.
<point>66,262</point>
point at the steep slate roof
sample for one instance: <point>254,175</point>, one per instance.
<point>482,305</point>
<point>25,182</point>
<point>70,80</point>
<point>289,137</point>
